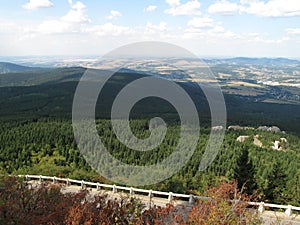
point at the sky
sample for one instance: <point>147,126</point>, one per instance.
<point>252,28</point>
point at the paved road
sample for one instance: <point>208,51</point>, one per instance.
<point>270,217</point>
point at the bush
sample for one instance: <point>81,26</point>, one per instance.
<point>227,205</point>
<point>25,203</point>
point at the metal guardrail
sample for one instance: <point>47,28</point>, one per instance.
<point>190,198</point>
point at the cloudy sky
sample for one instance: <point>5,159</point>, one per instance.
<point>207,28</point>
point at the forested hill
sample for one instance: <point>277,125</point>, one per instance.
<point>34,77</point>
<point>6,67</point>
<point>49,93</point>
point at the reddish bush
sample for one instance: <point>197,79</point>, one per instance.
<point>23,203</point>
<point>226,206</point>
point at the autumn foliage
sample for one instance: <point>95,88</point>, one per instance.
<point>226,206</point>
<point>25,203</point>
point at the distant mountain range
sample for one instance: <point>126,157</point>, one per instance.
<point>256,61</point>
<point>44,63</point>
<point>6,67</point>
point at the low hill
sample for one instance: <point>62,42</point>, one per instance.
<point>6,67</point>
<point>38,77</point>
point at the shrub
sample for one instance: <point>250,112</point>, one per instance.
<point>25,203</point>
<point>227,205</point>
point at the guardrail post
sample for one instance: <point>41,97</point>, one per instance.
<point>68,182</point>
<point>54,180</point>
<point>82,184</point>
<point>191,200</point>
<point>289,211</point>
<point>131,191</point>
<point>114,189</point>
<point>170,196</point>
<point>150,194</point>
<point>41,179</point>
<point>261,207</point>
<point>98,187</point>
<point>27,177</point>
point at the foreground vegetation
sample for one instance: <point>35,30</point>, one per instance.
<point>21,203</point>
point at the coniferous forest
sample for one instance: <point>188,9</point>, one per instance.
<point>47,147</point>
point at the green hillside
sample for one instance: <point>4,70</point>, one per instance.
<point>50,94</point>
<point>38,77</point>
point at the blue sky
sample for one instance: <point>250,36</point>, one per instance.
<point>255,28</point>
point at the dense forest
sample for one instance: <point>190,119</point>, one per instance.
<point>47,147</point>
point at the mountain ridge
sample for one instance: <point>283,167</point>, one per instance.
<point>7,67</point>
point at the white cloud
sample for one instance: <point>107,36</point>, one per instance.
<point>53,26</point>
<point>264,40</point>
<point>272,8</point>
<point>206,27</point>
<point>212,33</point>
<point>187,9</point>
<point>71,22</point>
<point>199,33</point>
<point>173,3</point>
<point>159,31</point>
<point>8,27</point>
<point>114,14</point>
<point>161,27</point>
<point>76,14</point>
<point>36,4</point>
<point>201,22</point>
<point>150,8</point>
<point>77,6</point>
<point>293,31</point>
<point>224,7</point>
<point>96,39</point>
<point>109,29</point>
<point>219,29</point>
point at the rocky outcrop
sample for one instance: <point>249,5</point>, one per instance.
<point>237,127</point>
<point>272,129</point>
<point>242,138</point>
<point>284,140</point>
<point>263,128</point>
<point>257,142</point>
<point>217,128</point>
<point>276,145</point>
<point>280,145</point>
